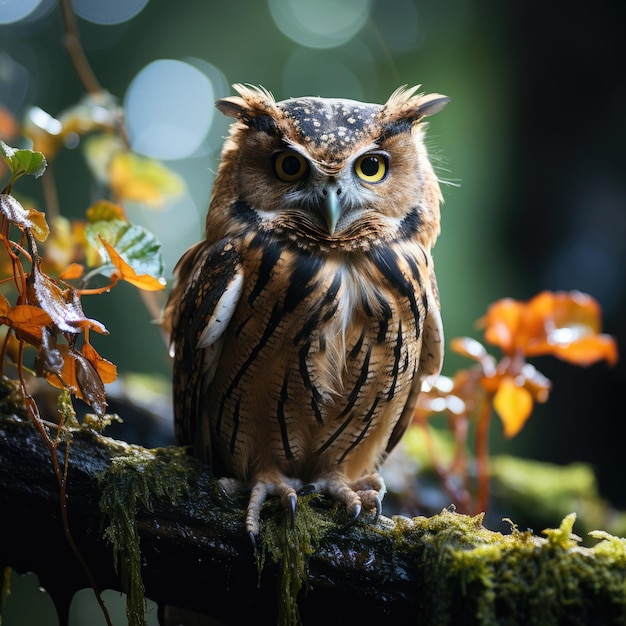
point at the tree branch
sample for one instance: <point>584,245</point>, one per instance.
<point>196,555</point>
<point>194,552</point>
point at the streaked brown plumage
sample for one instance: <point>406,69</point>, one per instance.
<point>303,326</point>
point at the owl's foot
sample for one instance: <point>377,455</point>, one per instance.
<point>262,489</point>
<point>365,493</point>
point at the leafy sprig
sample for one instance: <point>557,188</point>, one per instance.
<point>566,325</point>
<point>47,313</point>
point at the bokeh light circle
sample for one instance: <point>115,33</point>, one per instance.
<point>169,109</point>
<point>108,12</point>
<point>320,24</point>
<point>12,11</point>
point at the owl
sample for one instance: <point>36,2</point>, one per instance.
<point>303,325</point>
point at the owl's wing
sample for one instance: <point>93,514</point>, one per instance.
<point>431,360</point>
<point>212,277</point>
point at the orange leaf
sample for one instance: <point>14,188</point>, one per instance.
<point>567,309</point>
<point>536,383</point>
<point>68,373</point>
<point>564,324</point>
<point>502,324</point>
<point>513,404</point>
<point>468,347</point>
<point>27,321</point>
<point>72,272</point>
<point>588,350</point>
<point>89,384</point>
<point>456,396</point>
<point>106,370</point>
<point>475,350</point>
<point>127,273</point>
<point>81,377</point>
<point>39,226</point>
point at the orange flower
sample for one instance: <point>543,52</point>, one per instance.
<point>563,324</point>
<point>513,384</point>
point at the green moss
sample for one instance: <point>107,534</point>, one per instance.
<point>11,398</point>
<point>290,547</point>
<point>133,481</point>
<point>488,578</point>
<point>464,573</point>
<point>533,493</point>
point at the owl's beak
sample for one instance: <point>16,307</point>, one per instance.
<point>331,207</point>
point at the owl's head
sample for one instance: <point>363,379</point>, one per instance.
<point>328,172</point>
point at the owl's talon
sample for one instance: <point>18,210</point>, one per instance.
<point>229,486</point>
<point>252,540</point>
<point>293,501</point>
<point>355,517</point>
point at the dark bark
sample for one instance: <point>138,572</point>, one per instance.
<point>446,569</point>
<point>194,555</point>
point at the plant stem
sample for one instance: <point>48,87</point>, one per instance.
<point>75,49</point>
<point>482,454</point>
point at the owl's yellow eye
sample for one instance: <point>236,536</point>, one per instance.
<point>290,166</point>
<point>372,168</point>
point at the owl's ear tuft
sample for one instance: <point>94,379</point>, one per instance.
<point>404,108</point>
<point>431,104</point>
<point>233,106</point>
<point>250,103</point>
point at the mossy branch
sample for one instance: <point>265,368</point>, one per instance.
<point>193,552</point>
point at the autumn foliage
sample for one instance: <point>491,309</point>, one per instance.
<point>47,271</point>
<point>47,314</point>
<point>564,324</point>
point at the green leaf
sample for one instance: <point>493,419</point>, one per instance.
<point>23,161</point>
<point>7,154</point>
<point>33,163</point>
<point>136,245</point>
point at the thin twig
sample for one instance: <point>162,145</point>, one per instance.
<point>51,197</point>
<point>75,49</point>
<point>482,454</point>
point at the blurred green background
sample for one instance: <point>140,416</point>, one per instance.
<point>532,145</point>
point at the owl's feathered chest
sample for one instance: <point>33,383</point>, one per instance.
<point>318,336</point>
<point>331,299</point>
